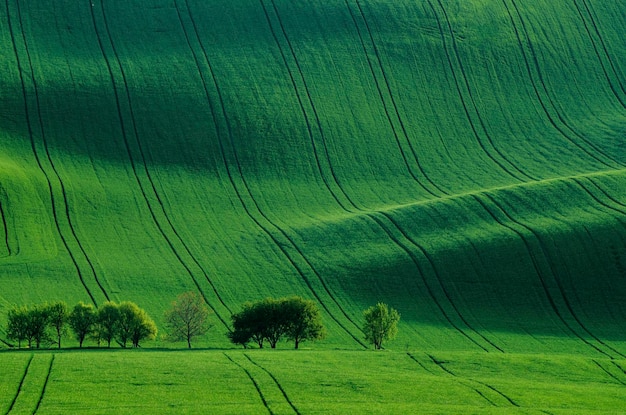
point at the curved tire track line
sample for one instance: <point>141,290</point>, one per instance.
<point>256,385</point>
<point>276,382</point>
<point>252,204</point>
<point>45,385</point>
<point>21,384</point>
<point>303,110</point>
<point>381,95</point>
<point>6,229</point>
<point>512,170</point>
<point>460,380</point>
<point>544,87</point>
<point>133,162</point>
<point>371,215</point>
<point>609,374</point>
<point>597,52</point>
<point>492,388</point>
<point>38,158</point>
<point>542,278</point>
<point>440,284</point>
<point>593,20</point>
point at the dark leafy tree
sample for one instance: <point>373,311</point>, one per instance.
<point>17,325</point>
<point>381,323</point>
<point>273,319</point>
<point>106,324</point>
<point>57,319</point>
<point>81,320</point>
<point>187,318</point>
<point>248,325</point>
<point>304,321</point>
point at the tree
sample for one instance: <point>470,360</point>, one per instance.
<point>144,328</point>
<point>381,323</point>
<point>81,320</point>
<point>134,324</point>
<point>106,323</point>
<point>37,319</point>
<point>17,325</point>
<point>187,318</point>
<point>304,321</point>
<point>248,325</point>
<point>272,319</point>
<point>57,319</point>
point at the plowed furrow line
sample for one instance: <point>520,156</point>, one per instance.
<point>557,120</point>
<point>254,382</point>
<point>464,85</point>
<point>460,380</point>
<point>60,206</point>
<point>21,384</point>
<point>597,52</point>
<point>276,382</point>
<point>388,95</point>
<point>141,172</point>
<point>237,179</point>
<point>45,385</point>
<point>556,294</point>
<point>353,207</point>
<point>611,61</point>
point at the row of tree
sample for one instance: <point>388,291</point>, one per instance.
<point>48,324</point>
<point>269,320</point>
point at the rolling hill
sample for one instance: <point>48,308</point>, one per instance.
<point>463,161</point>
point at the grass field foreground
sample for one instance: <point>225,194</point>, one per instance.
<point>309,382</point>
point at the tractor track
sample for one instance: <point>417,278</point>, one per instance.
<point>379,63</point>
<point>506,165</point>
<point>281,240</point>
<point>54,201</point>
<point>544,283</point>
<point>145,189</point>
<point>540,84</point>
<point>372,215</point>
<point>282,390</point>
<point>21,384</point>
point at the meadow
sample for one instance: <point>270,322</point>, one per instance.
<point>309,382</point>
<point>462,161</point>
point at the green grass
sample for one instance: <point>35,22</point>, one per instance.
<point>310,382</point>
<point>462,161</point>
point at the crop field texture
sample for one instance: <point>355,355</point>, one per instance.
<point>462,161</point>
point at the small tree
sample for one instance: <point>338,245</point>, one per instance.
<point>17,325</point>
<point>37,319</point>
<point>304,321</point>
<point>381,323</point>
<point>187,318</point>
<point>57,319</point>
<point>106,323</point>
<point>81,320</point>
<point>134,324</point>
<point>144,328</point>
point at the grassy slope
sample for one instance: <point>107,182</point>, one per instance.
<point>462,161</point>
<point>309,382</point>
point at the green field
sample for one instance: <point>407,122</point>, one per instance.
<point>310,382</point>
<point>462,161</point>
